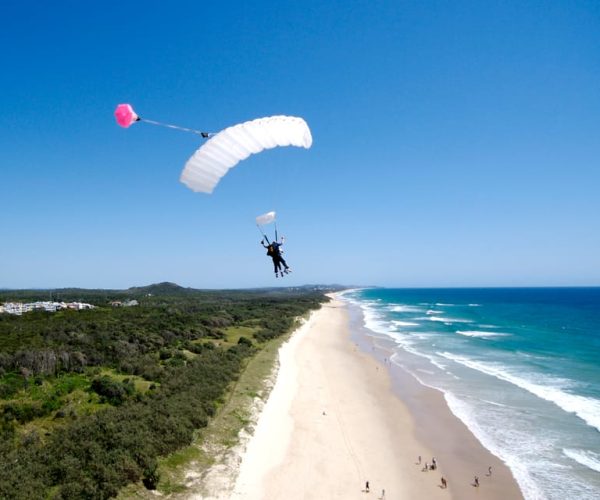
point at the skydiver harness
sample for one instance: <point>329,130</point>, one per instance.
<point>272,247</point>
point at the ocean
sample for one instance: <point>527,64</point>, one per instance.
<point>519,366</point>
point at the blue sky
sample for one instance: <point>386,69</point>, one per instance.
<point>455,143</point>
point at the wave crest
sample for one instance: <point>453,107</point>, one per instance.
<point>481,334</point>
<point>588,458</point>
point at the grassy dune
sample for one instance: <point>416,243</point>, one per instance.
<point>185,471</point>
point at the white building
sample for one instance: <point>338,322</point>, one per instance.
<point>19,308</point>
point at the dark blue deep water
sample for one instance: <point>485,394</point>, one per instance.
<point>521,368</point>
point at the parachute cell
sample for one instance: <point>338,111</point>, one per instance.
<point>224,150</point>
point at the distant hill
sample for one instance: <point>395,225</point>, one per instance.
<point>164,288</point>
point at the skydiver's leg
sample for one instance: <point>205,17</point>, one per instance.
<point>287,268</point>
<point>281,271</point>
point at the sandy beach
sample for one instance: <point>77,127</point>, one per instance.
<point>334,421</point>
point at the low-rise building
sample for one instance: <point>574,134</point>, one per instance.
<point>19,308</point>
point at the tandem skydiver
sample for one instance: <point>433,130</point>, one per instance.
<point>274,251</point>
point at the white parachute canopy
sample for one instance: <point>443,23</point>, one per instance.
<point>267,218</point>
<point>224,150</point>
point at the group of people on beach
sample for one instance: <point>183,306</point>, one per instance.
<point>443,480</point>
<point>432,466</point>
<point>476,479</point>
<point>428,466</point>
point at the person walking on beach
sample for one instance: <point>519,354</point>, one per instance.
<point>382,494</point>
<point>444,483</point>
<point>476,482</point>
<point>489,470</point>
<point>419,462</point>
<point>367,487</point>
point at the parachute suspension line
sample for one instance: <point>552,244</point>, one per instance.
<point>276,238</point>
<point>205,135</point>
<point>263,234</point>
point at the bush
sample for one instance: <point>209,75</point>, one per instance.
<point>245,341</point>
<point>151,476</point>
<point>112,391</point>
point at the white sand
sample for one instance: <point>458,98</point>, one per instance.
<point>331,423</point>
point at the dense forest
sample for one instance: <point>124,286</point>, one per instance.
<point>90,399</point>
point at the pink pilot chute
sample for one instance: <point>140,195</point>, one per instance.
<point>125,115</point>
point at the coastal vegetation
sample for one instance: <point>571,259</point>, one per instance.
<point>93,400</point>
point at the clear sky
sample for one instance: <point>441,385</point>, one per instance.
<point>455,143</point>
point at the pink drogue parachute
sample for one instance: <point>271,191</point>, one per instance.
<point>125,115</point>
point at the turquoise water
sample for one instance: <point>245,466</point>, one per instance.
<point>520,367</point>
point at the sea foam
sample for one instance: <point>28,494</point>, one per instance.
<point>448,320</point>
<point>401,308</point>
<point>585,457</point>
<point>396,322</point>
<point>588,409</point>
<point>480,334</point>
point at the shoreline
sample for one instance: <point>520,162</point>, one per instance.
<point>455,445</point>
<point>336,418</point>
